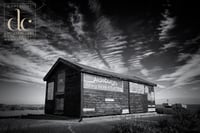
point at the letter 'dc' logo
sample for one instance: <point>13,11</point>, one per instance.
<point>20,23</point>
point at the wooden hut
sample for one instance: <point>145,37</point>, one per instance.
<point>77,90</point>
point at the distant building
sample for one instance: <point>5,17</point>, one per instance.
<point>77,90</point>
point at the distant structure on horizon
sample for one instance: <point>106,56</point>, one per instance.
<point>77,90</point>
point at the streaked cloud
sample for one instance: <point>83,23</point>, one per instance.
<point>123,41</point>
<point>103,51</point>
<point>166,25</point>
<point>192,41</point>
<point>145,72</point>
<point>76,19</point>
<point>183,56</point>
<point>148,53</point>
<point>168,45</point>
<point>186,73</point>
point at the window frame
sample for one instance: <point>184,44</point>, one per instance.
<point>58,89</point>
<point>50,96</point>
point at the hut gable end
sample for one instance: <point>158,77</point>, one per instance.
<point>60,63</point>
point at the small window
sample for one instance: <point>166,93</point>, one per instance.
<point>151,97</point>
<point>50,89</point>
<point>146,89</point>
<point>59,104</point>
<point>61,82</point>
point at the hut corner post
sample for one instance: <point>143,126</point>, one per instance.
<point>81,99</point>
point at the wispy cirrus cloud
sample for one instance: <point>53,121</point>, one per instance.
<point>184,74</point>
<point>110,42</point>
<point>38,55</point>
<point>77,22</point>
<point>168,45</point>
<point>135,61</point>
<point>20,68</point>
<point>125,40</point>
<point>104,48</point>
<point>145,72</point>
<point>166,25</point>
<point>192,41</point>
<point>183,56</point>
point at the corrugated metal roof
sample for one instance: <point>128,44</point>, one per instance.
<point>92,70</point>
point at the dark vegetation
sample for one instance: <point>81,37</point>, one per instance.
<point>182,121</point>
<point>37,130</point>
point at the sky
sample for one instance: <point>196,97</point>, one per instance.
<point>157,40</point>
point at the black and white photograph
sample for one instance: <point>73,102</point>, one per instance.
<point>99,66</point>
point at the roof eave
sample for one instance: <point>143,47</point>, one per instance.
<point>55,65</point>
<point>86,70</point>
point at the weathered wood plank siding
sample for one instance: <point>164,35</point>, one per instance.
<point>138,103</point>
<point>72,93</point>
<point>100,102</point>
<point>138,98</point>
<point>79,91</point>
<point>50,104</point>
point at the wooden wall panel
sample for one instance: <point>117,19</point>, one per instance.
<point>92,102</point>
<point>138,103</point>
<point>72,93</point>
<point>50,104</point>
<point>98,102</point>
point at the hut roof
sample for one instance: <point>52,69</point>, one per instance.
<point>92,70</point>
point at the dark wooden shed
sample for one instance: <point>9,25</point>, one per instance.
<point>77,90</point>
